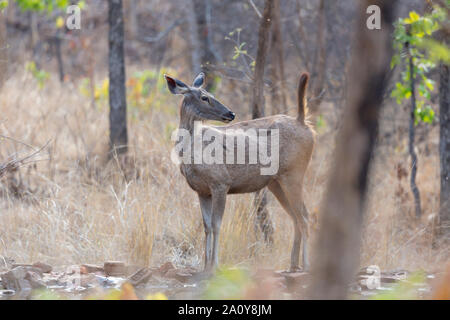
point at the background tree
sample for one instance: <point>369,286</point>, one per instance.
<point>117,92</point>
<point>277,74</point>
<point>413,35</point>
<point>257,108</point>
<point>444,145</point>
<point>3,43</point>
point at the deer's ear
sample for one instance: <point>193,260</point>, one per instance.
<point>176,86</point>
<point>199,80</point>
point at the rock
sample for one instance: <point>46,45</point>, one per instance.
<point>165,267</point>
<point>141,276</point>
<point>7,293</point>
<point>115,268</point>
<point>91,268</point>
<point>297,279</point>
<point>35,280</point>
<point>15,279</point>
<point>45,268</point>
<point>179,275</point>
<point>132,269</point>
<point>27,267</point>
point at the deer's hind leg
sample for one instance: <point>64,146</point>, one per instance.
<point>219,197</point>
<point>290,197</point>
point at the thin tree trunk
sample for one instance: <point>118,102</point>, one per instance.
<point>337,251</point>
<point>202,9</point>
<point>320,63</point>
<point>196,47</point>
<point>257,107</point>
<point>59,58</point>
<point>444,149</point>
<point>412,152</point>
<point>3,48</point>
<point>117,92</point>
<point>277,64</point>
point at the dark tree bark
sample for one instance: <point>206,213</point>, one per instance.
<point>59,58</point>
<point>337,252</point>
<point>206,52</point>
<point>196,51</point>
<point>257,104</point>
<point>257,107</point>
<point>117,92</point>
<point>277,64</point>
<point>319,67</point>
<point>3,48</point>
<point>444,148</point>
<point>414,161</point>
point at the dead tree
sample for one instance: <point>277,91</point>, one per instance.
<point>337,250</point>
<point>257,107</point>
<point>118,136</point>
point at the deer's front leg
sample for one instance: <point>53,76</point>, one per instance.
<point>206,206</point>
<point>219,197</point>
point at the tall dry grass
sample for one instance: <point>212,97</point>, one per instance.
<point>76,206</point>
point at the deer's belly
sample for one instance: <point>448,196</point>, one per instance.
<point>248,186</point>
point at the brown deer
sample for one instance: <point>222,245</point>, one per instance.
<point>213,181</point>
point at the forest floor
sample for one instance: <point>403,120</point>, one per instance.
<point>118,281</point>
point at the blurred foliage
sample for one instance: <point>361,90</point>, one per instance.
<point>414,34</point>
<point>145,90</point>
<point>228,283</point>
<point>125,292</point>
<point>239,48</point>
<point>40,76</point>
<point>3,5</point>
<point>49,6</point>
<point>321,124</point>
<point>404,290</point>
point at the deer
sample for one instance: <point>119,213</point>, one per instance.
<point>214,182</point>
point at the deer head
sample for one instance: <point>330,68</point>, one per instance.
<point>199,104</point>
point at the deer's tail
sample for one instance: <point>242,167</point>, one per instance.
<point>302,105</point>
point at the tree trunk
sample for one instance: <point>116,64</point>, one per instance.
<point>444,149</point>
<point>59,58</point>
<point>412,152</point>
<point>3,48</point>
<point>117,92</point>
<point>206,53</point>
<point>277,64</point>
<point>320,63</point>
<point>196,47</point>
<point>257,107</point>
<point>338,245</point>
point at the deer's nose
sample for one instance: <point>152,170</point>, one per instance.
<point>232,115</point>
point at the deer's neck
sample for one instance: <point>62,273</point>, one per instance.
<point>187,119</point>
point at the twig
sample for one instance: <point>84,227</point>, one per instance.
<point>13,165</point>
<point>256,8</point>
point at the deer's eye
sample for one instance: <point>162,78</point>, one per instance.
<point>204,98</point>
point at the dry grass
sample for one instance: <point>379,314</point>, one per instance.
<point>78,207</point>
